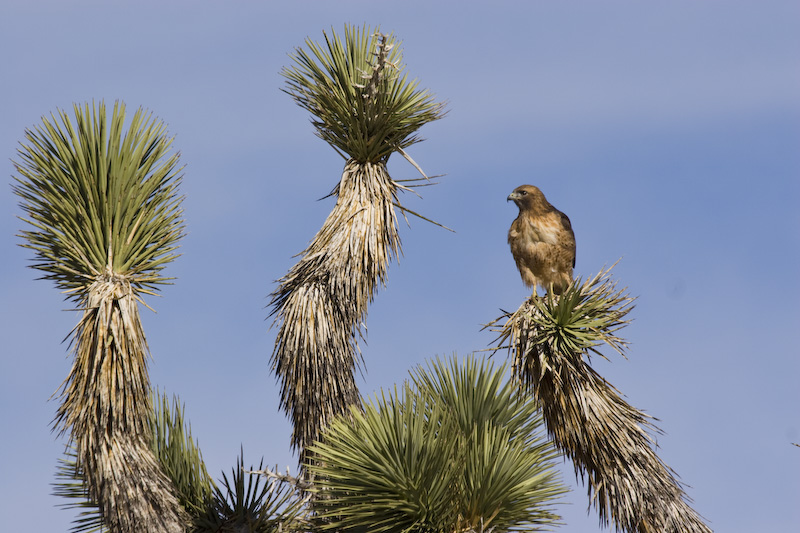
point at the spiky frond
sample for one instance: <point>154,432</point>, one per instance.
<point>179,455</point>
<point>362,102</point>
<point>583,318</point>
<point>609,441</point>
<point>247,502</point>
<point>101,201</point>
<point>456,450</point>
<point>106,214</point>
<point>364,109</point>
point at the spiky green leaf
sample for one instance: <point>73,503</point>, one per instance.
<point>247,502</point>
<point>179,455</point>
<point>362,102</point>
<point>100,199</point>
<point>456,450</point>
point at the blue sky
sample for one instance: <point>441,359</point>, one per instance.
<point>668,132</point>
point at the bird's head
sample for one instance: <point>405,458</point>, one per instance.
<point>527,197</point>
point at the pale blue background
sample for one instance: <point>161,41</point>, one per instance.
<point>668,132</point>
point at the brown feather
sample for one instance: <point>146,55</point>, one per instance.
<point>541,240</point>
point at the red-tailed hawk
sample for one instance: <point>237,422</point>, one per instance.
<point>542,241</point>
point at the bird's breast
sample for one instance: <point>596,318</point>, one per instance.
<point>535,229</point>
<point>548,231</point>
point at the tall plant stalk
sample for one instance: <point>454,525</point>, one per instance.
<point>610,442</point>
<point>105,217</point>
<point>366,109</point>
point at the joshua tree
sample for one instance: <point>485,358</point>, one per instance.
<point>106,219</point>
<point>551,340</point>
<point>104,214</point>
<point>366,109</point>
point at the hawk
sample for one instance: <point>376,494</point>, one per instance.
<point>542,241</point>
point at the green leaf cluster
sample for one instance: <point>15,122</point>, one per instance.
<point>586,315</point>
<point>246,502</point>
<point>361,101</point>
<point>456,450</point>
<point>102,201</point>
<point>179,455</point>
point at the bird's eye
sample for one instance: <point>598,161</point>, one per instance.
<point>523,193</point>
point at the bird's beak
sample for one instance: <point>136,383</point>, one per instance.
<point>511,197</point>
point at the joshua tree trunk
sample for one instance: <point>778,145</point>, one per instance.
<point>323,300</point>
<point>106,407</point>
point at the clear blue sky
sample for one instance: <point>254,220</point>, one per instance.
<point>668,132</point>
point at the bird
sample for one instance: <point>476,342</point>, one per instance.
<point>542,241</point>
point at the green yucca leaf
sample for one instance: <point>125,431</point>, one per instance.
<point>456,449</point>
<point>246,502</point>
<point>100,200</point>
<point>179,455</point>
<point>585,316</point>
<point>362,103</point>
